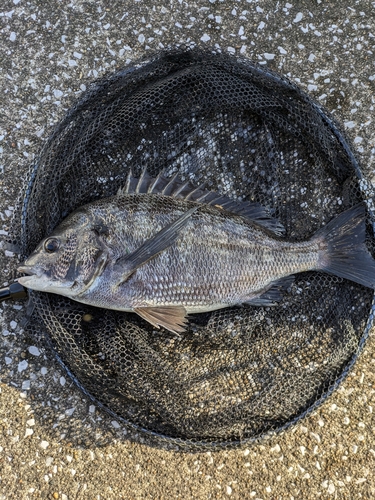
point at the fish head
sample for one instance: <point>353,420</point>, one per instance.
<point>69,260</point>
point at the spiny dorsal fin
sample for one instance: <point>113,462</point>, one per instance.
<point>177,188</point>
<point>141,181</point>
<point>129,184</point>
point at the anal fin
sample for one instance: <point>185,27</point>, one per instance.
<point>273,294</point>
<point>172,318</point>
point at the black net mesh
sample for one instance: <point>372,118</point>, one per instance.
<point>237,373</point>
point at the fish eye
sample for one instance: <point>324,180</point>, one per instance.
<point>51,245</point>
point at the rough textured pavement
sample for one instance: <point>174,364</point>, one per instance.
<point>53,442</point>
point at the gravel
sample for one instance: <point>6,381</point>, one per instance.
<point>53,442</point>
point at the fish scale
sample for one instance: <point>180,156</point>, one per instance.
<point>164,249</point>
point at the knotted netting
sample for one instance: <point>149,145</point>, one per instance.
<point>236,374</point>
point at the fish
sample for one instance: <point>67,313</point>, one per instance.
<point>164,249</point>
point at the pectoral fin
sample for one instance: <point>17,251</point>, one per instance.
<point>172,318</point>
<point>128,264</point>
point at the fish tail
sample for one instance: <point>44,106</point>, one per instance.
<point>344,252</point>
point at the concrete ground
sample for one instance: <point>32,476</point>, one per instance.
<point>53,442</point>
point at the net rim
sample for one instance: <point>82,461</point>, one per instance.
<point>344,143</point>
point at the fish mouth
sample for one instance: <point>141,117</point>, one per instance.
<point>38,279</point>
<point>27,270</point>
<point>33,278</point>
<point>31,272</point>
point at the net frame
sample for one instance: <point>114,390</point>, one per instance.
<point>280,104</point>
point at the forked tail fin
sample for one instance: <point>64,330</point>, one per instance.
<point>345,253</point>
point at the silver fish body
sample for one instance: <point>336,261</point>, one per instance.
<point>164,256</point>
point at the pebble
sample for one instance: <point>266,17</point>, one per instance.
<point>315,436</point>
<point>331,488</point>
<point>34,350</point>
<point>22,365</point>
<point>25,385</point>
<point>360,480</point>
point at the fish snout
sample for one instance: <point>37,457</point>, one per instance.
<point>25,269</point>
<point>30,270</point>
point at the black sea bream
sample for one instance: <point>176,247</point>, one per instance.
<point>162,249</point>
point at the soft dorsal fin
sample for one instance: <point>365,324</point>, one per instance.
<point>177,188</point>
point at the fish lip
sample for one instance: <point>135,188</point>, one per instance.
<point>25,280</point>
<point>36,279</point>
<point>33,280</point>
<point>30,270</point>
